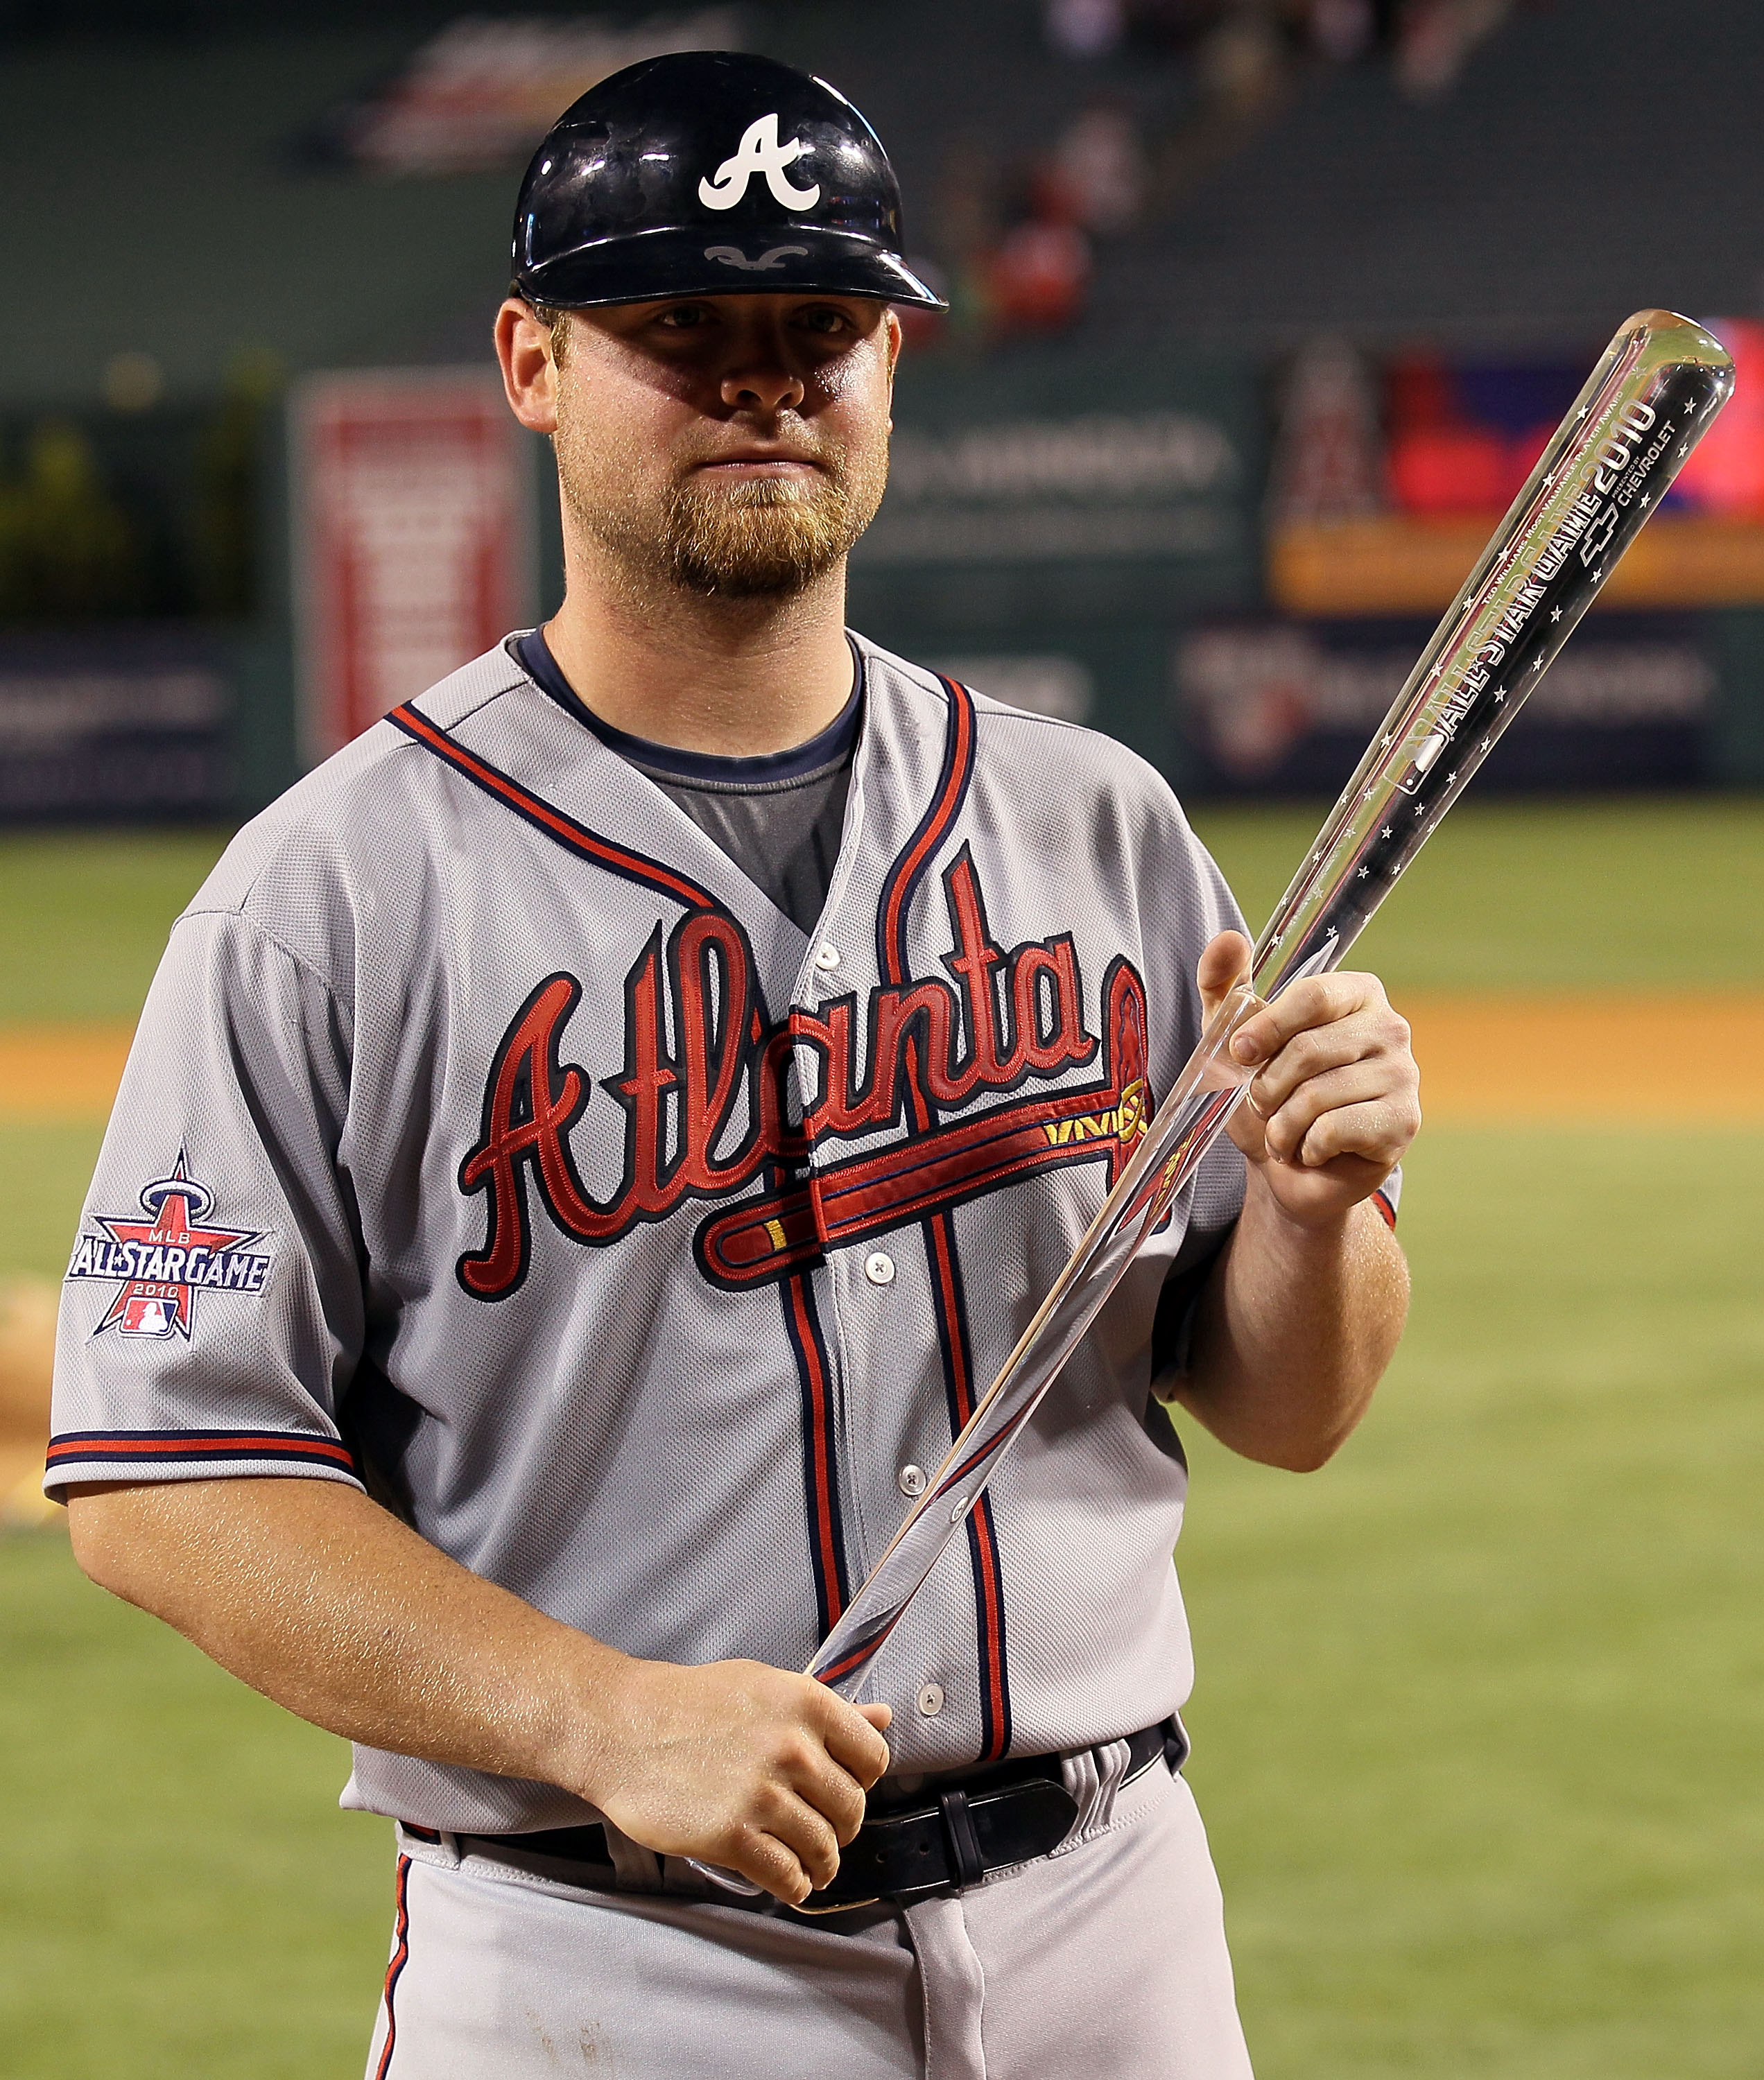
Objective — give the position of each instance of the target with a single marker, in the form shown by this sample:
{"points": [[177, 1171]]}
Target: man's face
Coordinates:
{"points": [[727, 444]]}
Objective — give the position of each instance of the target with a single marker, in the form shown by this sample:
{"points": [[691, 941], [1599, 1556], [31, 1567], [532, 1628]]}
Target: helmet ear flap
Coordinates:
{"points": [[710, 172]]}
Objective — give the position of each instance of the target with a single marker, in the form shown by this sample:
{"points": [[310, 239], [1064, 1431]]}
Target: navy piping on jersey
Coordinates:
{"points": [[565, 830], [954, 1345], [821, 1462], [833, 744]]}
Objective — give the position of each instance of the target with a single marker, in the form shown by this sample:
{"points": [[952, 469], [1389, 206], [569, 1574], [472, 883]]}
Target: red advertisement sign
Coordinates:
{"points": [[412, 536]]}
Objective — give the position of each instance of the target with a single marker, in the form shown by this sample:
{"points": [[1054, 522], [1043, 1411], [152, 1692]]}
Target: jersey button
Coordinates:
{"points": [[879, 1268], [931, 1700], [826, 956], [913, 1480]]}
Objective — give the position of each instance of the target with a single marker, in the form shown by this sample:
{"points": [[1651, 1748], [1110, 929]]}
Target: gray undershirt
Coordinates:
{"points": [[779, 817], [782, 834]]}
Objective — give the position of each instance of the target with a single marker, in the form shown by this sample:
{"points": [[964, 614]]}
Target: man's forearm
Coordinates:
{"points": [[315, 1595], [1294, 1330]]}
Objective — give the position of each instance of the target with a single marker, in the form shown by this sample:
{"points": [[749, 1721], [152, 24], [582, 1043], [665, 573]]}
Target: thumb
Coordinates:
{"points": [[1225, 960]]}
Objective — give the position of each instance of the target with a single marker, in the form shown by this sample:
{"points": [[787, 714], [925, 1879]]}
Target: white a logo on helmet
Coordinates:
{"points": [[760, 152]]}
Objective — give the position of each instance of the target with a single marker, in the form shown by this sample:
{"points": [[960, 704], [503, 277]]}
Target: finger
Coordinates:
{"points": [[1223, 960], [1317, 1000], [1312, 1053], [804, 1832], [881, 1716], [1370, 1133], [832, 1792], [765, 1859], [1363, 1088], [853, 1740], [1368, 1082]]}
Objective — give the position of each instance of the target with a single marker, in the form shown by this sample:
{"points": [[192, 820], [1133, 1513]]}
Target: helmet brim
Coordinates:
{"points": [[640, 267]]}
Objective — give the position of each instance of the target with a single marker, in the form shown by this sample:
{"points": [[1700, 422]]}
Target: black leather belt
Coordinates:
{"points": [[950, 1834]]}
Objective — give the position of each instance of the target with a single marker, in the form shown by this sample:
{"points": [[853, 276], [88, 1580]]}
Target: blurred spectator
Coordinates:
{"points": [[1434, 37], [1096, 177], [1086, 28], [1243, 62], [133, 382], [1037, 276], [1343, 30]]}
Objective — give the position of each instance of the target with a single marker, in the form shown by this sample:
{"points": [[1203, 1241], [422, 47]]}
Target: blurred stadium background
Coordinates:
{"points": [[1261, 309]]}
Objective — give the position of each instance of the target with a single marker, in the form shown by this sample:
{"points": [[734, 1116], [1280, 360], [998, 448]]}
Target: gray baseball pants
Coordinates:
{"points": [[1107, 1958]]}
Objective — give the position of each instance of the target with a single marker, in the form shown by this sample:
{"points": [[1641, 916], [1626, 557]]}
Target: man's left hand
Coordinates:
{"points": [[1336, 1097]]}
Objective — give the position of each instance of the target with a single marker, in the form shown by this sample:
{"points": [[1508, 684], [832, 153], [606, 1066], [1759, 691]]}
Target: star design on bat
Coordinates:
{"points": [[1555, 614], [1387, 832], [1450, 777], [1684, 448], [1500, 695], [1537, 664], [1598, 574], [1551, 478], [1647, 498], [1421, 809], [1363, 872], [1390, 738], [1486, 742]]}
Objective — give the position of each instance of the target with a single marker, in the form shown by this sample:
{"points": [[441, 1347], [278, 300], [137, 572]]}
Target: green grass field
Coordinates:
{"points": [[1480, 1706]]}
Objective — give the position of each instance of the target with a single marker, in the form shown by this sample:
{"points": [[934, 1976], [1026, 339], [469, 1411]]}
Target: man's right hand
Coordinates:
{"points": [[738, 1764], [317, 1597]]}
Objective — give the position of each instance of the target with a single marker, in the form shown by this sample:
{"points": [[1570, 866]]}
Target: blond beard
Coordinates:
{"points": [[764, 537]]}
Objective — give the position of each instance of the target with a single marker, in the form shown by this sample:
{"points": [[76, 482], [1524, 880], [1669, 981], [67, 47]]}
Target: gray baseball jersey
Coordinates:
{"points": [[491, 1140]]}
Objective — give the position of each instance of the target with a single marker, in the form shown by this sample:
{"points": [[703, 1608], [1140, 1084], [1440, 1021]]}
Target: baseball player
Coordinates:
{"points": [[589, 1144]]}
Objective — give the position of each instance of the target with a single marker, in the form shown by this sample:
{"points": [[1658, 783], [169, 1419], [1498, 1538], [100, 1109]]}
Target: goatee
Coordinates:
{"points": [[758, 538], [765, 537]]}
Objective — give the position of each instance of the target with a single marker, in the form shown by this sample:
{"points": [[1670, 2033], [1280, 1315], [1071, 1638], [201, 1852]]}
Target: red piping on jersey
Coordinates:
{"points": [[134, 1445], [819, 1470], [904, 877], [401, 1956], [579, 839], [1387, 1211]]}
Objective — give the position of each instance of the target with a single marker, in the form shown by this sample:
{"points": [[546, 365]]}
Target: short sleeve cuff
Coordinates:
{"points": [[79, 1456]]}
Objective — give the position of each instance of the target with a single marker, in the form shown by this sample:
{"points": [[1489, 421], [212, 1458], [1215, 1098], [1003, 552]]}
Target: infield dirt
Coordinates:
{"points": [[1613, 1057]]}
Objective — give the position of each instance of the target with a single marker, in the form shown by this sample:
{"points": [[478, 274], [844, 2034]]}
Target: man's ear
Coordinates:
{"points": [[523, 348]]}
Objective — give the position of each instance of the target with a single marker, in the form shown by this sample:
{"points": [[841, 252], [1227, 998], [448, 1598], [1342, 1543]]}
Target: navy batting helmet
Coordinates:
{"points": [[708, 172]]}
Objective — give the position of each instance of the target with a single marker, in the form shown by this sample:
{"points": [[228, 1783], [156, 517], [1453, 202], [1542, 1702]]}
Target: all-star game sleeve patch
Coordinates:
{"points": [[165, 1261]]}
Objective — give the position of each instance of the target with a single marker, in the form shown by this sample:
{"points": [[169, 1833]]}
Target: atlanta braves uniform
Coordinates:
{"points": [[491, 1139]]}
